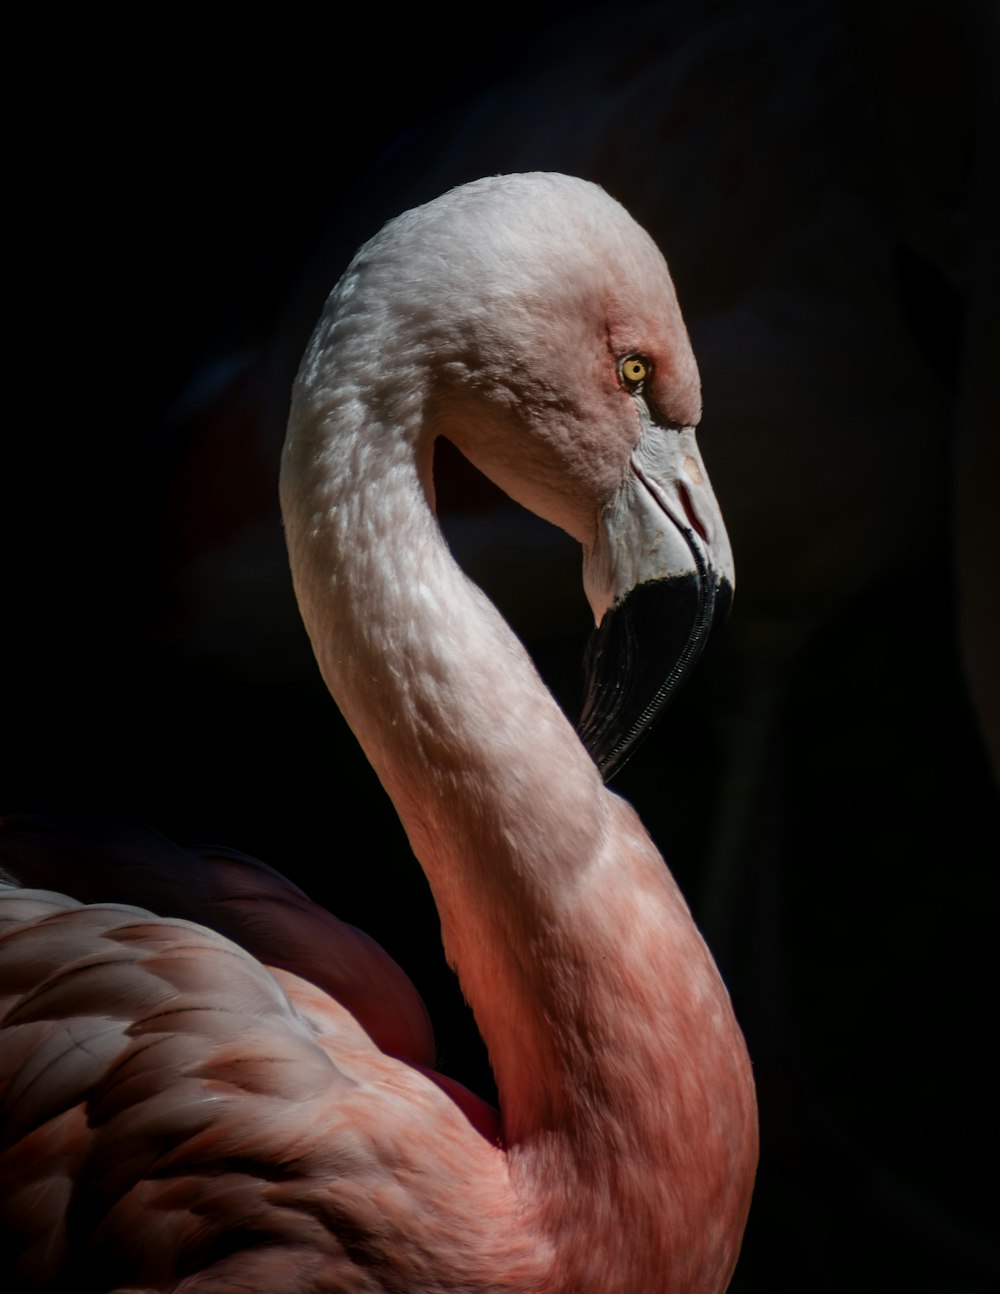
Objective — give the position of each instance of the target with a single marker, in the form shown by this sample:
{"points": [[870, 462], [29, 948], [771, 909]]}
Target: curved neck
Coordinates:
{"points": [[452, 715], [599, 1004]]}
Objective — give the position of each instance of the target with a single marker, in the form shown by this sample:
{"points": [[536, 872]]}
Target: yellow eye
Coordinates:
{"points": [[634, 370]]}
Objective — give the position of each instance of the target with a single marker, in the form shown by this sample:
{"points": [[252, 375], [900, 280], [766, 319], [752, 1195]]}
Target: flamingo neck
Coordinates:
{"points": [[610, 1034]]}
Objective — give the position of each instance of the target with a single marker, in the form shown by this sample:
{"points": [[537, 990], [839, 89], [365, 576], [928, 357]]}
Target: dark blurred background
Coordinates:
{"points": [[819, 176]]}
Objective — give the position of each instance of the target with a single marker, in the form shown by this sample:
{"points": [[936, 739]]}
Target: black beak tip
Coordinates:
{"points": [[637, 658]]}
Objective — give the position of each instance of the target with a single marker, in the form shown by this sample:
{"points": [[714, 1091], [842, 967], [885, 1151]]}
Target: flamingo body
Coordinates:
{"points": [[182, 1112]]}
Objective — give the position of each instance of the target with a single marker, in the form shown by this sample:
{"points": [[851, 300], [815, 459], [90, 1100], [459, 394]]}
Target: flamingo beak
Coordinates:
{"points": [[658, 578]]}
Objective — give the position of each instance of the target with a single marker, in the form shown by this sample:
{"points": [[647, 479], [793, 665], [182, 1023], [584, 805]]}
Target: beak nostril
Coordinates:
{"points": [[690, 513]]}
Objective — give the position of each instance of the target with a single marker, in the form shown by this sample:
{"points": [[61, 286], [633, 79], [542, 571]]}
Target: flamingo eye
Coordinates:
{"points": [[634, 370]]}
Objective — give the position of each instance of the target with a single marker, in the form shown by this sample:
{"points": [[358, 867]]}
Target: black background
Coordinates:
{"points": [[182, 199]]}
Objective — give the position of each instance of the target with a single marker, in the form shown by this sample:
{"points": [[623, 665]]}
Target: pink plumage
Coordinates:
{"points": [[236, 1093]]}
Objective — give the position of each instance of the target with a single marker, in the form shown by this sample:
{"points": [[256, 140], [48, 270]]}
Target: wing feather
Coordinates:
{"points": [[97, 860], [172, 1113]]}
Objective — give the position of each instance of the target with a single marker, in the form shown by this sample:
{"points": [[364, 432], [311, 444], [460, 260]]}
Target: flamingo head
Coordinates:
{"points": [[533, 323]]}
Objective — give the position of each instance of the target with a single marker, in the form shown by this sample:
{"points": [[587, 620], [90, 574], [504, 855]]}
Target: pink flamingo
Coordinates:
{"points": [[182, 1114]]}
